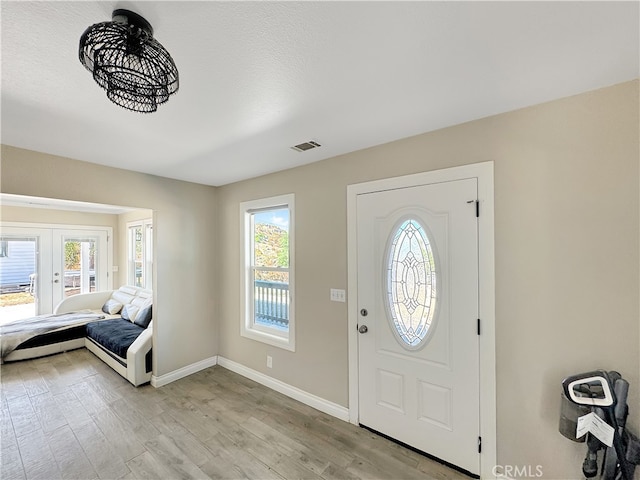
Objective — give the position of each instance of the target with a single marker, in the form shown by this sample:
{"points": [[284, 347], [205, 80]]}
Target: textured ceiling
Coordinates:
{"points": [[259, 77]]}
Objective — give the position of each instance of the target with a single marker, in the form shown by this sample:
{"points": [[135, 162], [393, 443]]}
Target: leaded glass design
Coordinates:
{"points": [[411, 283]]}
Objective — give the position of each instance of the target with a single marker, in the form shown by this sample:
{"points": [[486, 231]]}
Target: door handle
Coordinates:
{"points": [[56, 281], [363, 329]]}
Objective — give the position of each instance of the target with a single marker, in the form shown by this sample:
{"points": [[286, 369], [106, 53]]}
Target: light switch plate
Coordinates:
{"points": [[338, 295]]}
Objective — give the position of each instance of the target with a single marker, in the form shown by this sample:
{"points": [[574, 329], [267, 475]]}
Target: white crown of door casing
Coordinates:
{"points": [[483, 172]]}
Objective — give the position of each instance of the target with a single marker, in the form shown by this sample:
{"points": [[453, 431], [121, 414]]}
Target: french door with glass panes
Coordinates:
{"points": [[55, 263], [79, 262]]}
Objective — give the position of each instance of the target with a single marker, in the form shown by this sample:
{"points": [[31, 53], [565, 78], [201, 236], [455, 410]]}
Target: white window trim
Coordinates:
{"points": [[147, 264], [247, 328]]}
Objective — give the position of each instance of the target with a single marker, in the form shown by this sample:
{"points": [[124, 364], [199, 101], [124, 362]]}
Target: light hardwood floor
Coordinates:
{"points": [[69, 416]]}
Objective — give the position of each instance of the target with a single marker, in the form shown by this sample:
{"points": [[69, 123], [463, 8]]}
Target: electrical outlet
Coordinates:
{"points": [[269, 361], [338, 295], [114, 268]]}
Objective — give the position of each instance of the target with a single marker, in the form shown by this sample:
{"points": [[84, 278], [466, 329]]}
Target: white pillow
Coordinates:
{"points": [[112, 306], [129, 312], [140, 302]]}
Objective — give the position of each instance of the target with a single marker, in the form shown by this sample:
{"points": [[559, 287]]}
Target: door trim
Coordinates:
{"points": [[483, 172]]}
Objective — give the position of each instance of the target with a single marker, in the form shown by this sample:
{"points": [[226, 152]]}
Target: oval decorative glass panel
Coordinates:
{"points": [[411, 291]]}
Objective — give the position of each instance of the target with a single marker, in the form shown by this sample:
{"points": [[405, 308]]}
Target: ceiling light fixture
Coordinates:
{"points": [[124, 58]]}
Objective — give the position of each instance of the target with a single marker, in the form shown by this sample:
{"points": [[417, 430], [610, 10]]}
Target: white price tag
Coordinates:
{"points": [[598, 427]]}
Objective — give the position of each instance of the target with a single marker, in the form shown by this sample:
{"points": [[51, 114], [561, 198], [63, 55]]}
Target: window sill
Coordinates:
{"points": [[270, 339]]}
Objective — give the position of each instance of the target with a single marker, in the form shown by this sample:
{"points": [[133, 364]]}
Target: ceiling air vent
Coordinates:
{"points": [[303, 147]]}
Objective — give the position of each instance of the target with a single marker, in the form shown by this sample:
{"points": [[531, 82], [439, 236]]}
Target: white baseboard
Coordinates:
{"points": [[307, 398], [183, 372]]}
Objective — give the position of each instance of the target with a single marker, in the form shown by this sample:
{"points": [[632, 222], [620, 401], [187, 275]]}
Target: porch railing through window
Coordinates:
{"points": [[271, 303]]}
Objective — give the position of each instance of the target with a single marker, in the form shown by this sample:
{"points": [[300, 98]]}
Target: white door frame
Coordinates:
{"points": [[483, 172], [103, 237], [46, 264]]}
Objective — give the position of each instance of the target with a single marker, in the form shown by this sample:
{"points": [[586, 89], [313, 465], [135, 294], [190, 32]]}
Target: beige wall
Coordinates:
{"points": [[184, 231], [10, 213], [567, 257]]}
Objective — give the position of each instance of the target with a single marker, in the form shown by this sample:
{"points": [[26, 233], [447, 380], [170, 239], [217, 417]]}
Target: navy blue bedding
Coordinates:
{"points": [[115, 335], [72, 333], [42, 330]]}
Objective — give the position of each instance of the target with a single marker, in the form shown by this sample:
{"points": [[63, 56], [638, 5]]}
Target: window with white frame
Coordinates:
{"points": [[267, 271], [140, 253]]}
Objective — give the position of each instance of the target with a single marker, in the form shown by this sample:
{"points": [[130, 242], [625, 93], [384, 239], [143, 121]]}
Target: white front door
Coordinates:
{"points": [[418, 344]]}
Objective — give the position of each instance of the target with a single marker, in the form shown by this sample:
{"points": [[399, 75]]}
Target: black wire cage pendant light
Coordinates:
{"points": [[132, 66]]}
